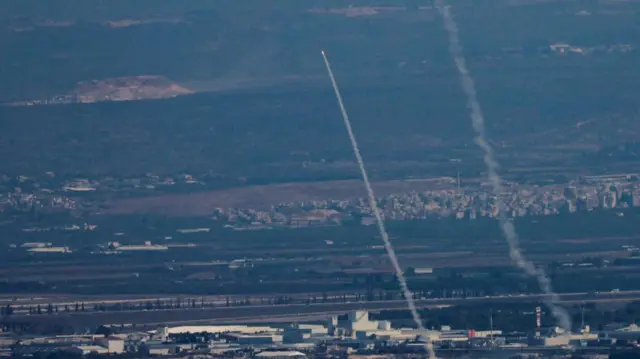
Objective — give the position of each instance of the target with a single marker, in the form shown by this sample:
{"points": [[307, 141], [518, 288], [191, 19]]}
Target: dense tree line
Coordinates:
{"points": [[510, 317]]}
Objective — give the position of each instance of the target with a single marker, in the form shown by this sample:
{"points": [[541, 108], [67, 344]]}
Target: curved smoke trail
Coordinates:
{"points": [[508, 229], [374, 207]]}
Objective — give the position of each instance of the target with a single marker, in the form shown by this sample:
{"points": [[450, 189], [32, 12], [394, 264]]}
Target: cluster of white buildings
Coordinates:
{"points": [[588, 193], [355, 331], [358, 333]]}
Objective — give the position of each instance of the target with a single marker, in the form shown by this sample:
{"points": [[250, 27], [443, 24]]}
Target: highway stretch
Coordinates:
{"points": [[20, 303], [282, 313]]}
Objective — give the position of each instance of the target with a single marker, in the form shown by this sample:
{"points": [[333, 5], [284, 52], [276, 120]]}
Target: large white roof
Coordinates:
{"points": [[287, 353], [220, 329]]}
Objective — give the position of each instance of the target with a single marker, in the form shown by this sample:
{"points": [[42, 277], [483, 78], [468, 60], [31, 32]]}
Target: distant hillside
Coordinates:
{"points": [[128, 88], [554, 81], [116, 89], [254, 41]]}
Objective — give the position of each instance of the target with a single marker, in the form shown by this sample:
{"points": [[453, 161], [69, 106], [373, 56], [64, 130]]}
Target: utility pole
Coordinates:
{"points": [[538, 321], [491, 326]]}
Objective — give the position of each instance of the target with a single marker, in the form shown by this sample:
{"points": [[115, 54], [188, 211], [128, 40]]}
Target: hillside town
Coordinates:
{"points": [[446, 199], [608, 192]]}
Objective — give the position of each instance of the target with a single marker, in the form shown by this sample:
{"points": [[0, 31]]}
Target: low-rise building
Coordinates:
{"points": [[253, 339], [50, 250], [112, 344], [87, 349]]}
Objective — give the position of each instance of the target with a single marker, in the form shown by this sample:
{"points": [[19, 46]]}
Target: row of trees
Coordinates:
{"points": [[6, 310], [512, 316], [192, 303], [367, 288], [51, 308]]}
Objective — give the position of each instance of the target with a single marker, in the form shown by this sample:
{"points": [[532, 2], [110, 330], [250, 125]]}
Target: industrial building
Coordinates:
{"points": [[252, 339], [356, 321], [354, 332], [299, 333], [81, 345], [87, 349], [164, 332], [50, 250], [36, 244], [114, 345], [147, 246]]}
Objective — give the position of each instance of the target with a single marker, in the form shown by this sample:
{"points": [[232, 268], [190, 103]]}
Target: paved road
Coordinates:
{"points": [[279, 313], [24, 301]]}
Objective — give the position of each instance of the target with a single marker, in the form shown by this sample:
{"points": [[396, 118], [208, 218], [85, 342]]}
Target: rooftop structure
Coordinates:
{"points": [[87, 349], [114, 345], [358, 325], [50, 250], [148, 246], [36, 244], [253, 339], [280, 355], [244, 329]]}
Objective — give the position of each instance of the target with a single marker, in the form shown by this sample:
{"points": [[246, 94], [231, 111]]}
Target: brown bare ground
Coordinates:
{"points": [[258, 197], [599, 239]]}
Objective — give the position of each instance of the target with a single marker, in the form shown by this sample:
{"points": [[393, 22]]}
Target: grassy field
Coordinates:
{"points": [[261, 197]]}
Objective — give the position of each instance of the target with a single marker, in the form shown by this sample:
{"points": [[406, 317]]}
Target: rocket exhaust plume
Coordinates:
{"points": [[477, 118], [374, 207]]}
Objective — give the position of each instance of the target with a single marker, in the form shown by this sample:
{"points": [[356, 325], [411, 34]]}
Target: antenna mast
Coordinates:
{"points": [[491, 325]]}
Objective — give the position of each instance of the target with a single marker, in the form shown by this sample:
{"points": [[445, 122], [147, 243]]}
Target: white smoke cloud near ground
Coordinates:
{"points": [[477, 118], [374, 207]]}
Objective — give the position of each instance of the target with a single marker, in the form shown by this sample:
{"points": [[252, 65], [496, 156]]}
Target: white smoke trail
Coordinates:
{"points": [[508, 229], [374, 207]]}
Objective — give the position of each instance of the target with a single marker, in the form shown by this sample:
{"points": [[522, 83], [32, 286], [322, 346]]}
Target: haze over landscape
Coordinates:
{"points": [[166, 156]]}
